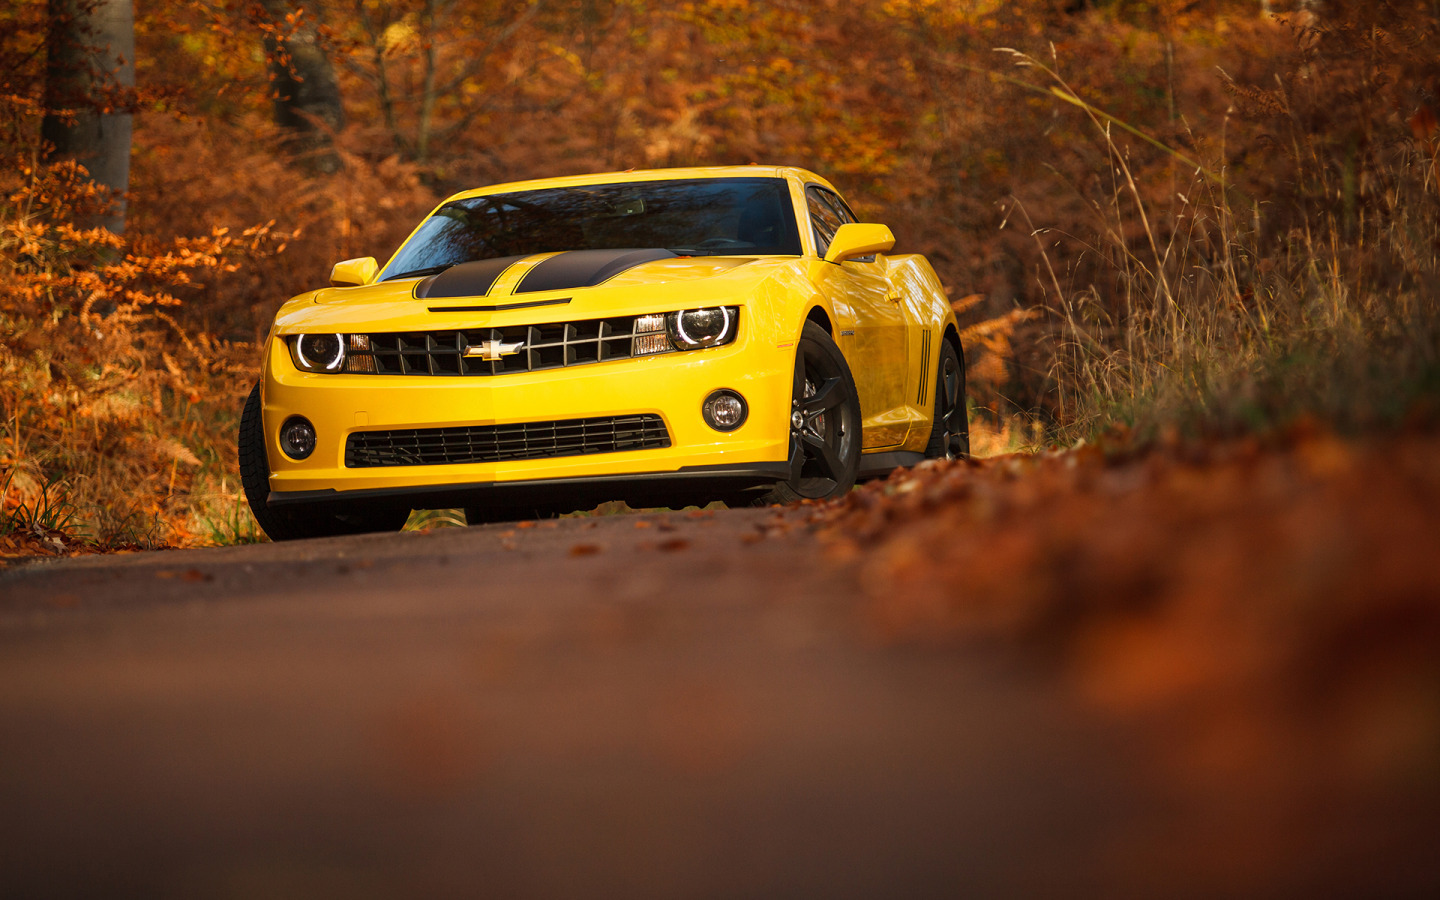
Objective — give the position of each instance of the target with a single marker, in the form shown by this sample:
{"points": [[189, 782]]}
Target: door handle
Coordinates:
{"points": [[894, 295]]}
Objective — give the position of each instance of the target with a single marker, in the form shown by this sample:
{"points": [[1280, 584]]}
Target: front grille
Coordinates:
{"points": [[496, 443], [526, 347]]}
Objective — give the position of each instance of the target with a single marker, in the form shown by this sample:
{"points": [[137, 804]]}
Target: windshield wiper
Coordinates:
{"points": [[415, 273]]}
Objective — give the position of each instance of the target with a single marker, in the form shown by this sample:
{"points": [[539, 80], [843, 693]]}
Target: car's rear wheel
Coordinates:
{"points": [[824, 423], [950, 434], [293, 524]]}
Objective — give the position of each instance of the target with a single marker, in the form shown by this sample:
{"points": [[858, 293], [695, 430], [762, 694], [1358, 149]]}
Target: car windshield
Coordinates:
{"points": [[695, 217]]}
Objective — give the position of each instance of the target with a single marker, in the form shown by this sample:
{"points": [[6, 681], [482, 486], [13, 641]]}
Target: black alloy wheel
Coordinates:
{"points": [[824, 423], [950, 433], [294, 524]]}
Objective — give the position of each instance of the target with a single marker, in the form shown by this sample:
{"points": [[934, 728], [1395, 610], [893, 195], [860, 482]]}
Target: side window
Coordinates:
{"points": [[842, 212], [841, 209], [823, 218]]}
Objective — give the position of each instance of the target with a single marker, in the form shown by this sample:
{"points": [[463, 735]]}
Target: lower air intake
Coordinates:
{"points": [[497, 443]]}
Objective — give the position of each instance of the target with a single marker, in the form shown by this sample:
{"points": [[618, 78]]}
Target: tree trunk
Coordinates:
{"points": [[307, 94], [89, 83], [427, 90]]}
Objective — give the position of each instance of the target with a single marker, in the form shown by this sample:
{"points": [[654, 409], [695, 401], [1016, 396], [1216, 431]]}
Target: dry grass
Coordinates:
{"points": [[1248, 298]]}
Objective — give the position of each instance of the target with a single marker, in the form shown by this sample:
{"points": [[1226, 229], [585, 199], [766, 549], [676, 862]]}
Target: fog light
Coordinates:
{"points": [[725, 410], [297, 437]]}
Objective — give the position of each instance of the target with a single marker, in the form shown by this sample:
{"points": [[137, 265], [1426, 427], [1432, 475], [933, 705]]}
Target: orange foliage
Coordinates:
{"points": [[103, 386]]}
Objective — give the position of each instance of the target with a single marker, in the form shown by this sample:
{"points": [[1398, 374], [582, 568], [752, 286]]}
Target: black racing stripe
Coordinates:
{"points": [[501, 307], [468, 279], [584, 268]]}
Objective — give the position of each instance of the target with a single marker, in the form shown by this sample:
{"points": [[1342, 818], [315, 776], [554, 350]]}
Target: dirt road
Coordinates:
{"points": [[650, 705], [601, 710]]}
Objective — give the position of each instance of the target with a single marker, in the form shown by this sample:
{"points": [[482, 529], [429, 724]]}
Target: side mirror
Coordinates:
{"points": [[352, 272], [856, 239]]}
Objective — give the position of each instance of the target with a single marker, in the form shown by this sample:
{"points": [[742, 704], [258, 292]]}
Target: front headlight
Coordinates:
{"points": [[692, 329], [319, 352], [688, 329]]}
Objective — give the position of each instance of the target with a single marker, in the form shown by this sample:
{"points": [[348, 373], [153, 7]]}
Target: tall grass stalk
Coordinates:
{"points": [[1235, 310]]}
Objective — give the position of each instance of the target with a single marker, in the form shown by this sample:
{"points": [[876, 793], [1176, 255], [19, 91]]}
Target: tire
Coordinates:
{"points": [[950, 433], [290, 525], [825, 423]]}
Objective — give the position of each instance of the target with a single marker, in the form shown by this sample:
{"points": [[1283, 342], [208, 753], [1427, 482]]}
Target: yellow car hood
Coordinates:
{"points": [[656, 286]]}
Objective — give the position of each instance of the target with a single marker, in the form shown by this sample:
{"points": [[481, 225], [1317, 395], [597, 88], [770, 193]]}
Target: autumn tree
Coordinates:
{"points": [[306, 93], [434, 64], [89, 86]]}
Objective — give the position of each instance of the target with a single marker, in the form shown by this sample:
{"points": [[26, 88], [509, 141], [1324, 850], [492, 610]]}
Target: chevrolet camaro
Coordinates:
{"points": [[665, 338]]}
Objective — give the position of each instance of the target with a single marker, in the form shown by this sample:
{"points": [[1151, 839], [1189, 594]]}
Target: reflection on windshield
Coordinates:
{"points": [[697, 217]]}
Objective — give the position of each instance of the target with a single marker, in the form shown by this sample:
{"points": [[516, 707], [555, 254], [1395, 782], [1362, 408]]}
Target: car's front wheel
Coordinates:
{"points": [[289, 525], [824, 423], [950, 433]]}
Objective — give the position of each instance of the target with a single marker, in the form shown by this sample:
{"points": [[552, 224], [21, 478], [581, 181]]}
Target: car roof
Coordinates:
{"points": [[635, 175]]}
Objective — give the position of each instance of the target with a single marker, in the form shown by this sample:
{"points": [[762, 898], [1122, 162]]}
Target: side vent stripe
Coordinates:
{"points": [[924, 368]]}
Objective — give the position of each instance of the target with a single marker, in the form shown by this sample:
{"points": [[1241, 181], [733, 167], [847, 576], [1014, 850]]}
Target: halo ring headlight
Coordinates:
{"points": [[692, 329], [320, 352]]}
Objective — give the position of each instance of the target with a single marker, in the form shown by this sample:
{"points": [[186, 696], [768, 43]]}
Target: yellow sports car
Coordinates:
{"points": [[663, 337]]}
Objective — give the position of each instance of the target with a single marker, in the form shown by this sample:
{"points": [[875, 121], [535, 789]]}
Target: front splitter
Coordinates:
{"points": [[683, 487]]}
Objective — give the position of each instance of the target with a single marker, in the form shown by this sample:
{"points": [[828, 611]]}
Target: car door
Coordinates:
{"points": [[877, 349]]}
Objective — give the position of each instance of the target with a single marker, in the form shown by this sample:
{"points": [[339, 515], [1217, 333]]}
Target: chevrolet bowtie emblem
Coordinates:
{"points": [[490, 351]]}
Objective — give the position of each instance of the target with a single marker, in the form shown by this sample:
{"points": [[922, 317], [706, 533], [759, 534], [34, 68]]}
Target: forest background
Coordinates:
{"points": [[1159, 221]]}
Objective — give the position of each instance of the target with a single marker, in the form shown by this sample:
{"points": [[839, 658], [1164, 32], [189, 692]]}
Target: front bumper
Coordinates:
{"points": [[672, 386]]}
